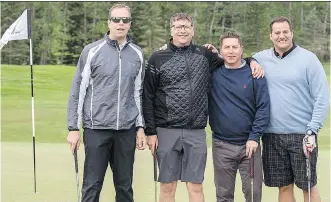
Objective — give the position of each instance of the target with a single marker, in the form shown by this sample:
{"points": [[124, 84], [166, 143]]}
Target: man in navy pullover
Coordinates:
{"points": [[239, 114]]}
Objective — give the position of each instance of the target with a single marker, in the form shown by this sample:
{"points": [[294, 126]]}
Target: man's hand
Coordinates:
{"points": [[257, 70], [309, 143], [251, 147], [73, 139], [211, 47], [141, 139], [152, 143], [163, 47]]}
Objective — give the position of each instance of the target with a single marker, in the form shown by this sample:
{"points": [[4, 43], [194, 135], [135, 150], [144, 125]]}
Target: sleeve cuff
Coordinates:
{"points": [[150, 132], [138, 127], [254, 137]]}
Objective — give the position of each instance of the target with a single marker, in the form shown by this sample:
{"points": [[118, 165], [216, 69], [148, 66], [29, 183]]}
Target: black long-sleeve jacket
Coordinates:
{"points": [[176, 87]]}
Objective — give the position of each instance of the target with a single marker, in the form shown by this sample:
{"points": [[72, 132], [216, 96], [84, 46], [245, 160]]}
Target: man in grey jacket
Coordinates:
{"points": [[106, 96]]}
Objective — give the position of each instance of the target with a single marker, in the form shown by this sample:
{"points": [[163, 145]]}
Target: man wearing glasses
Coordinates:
{"points": [[106, 95], [175, 107]]}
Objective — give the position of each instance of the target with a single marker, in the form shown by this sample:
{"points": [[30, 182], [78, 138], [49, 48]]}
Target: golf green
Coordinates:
{"points": [[56, 176]]}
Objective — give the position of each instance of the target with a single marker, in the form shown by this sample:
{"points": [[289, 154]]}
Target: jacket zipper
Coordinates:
{"points": [[191, 97], [119, 89]]}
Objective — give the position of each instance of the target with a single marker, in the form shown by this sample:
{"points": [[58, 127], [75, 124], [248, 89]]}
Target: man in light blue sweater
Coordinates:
{"points": [[299, 105]]}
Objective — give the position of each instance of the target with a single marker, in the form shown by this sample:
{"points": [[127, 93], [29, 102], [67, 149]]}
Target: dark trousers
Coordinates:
{"points": [[116, 148]]}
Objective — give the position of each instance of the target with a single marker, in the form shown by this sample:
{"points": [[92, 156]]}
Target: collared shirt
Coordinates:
{"points": [[286, 53], [243, 63]]}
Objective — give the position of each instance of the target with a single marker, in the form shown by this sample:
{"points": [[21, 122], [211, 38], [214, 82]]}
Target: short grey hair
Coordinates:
{"points": [[180, 16]]}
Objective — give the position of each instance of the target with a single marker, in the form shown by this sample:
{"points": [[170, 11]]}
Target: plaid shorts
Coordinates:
{"points": [[284, 162]]}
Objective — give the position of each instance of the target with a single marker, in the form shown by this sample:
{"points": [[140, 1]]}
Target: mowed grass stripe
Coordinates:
{"points": [[56, 176], [51, 87]]}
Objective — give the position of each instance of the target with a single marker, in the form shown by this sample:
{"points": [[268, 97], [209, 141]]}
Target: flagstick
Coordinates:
{"points": [[33, 123], [29, 27]]}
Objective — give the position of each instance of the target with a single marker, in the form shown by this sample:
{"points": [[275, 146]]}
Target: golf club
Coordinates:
{"points": [[76, 169], [251, 174], [308, 173], [155, 173]]}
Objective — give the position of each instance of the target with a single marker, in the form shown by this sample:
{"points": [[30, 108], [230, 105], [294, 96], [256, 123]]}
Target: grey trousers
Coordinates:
{"points": [[228, 158]]}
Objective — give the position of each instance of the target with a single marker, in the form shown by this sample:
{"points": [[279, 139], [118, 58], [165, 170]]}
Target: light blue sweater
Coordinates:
{"points": [[298, 89]]}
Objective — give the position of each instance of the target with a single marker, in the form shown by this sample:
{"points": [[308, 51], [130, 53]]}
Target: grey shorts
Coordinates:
{"points": [[181, 155]]}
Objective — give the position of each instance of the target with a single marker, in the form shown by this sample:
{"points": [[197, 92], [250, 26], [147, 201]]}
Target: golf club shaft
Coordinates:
{"points": [[77, 182], [76, 160], [155, 173], [308, 172], [76, 169], [251, 173], [308, 191]]}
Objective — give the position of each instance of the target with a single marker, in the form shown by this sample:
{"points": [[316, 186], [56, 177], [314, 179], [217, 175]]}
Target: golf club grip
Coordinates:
{"points": [[308, 171], [76, 161], [155, 166], [251, 166]]}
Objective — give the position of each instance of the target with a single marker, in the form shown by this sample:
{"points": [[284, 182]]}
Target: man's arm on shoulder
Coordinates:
{"points": [[262, 103], [214, 59], [319, 90], [149, 94]]}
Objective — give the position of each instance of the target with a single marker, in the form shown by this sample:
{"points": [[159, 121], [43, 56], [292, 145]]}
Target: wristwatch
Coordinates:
{"points": [[310, 132]]}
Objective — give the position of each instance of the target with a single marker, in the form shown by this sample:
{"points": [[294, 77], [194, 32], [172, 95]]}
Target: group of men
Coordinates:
{"points": [[121, 101]]}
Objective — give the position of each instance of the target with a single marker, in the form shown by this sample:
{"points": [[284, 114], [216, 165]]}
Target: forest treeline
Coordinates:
{"points": [[62, 29]]}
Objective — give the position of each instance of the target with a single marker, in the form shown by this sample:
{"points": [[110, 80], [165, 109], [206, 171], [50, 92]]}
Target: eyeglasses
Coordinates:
{"points": [[179, 27], [125, 20]]}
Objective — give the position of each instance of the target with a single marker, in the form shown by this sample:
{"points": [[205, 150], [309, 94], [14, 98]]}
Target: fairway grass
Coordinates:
{"points": [[55, 165], [51, 88], [56, 176]]}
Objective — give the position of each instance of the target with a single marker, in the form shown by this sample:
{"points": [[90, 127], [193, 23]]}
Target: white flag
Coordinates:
{"points": [[17, 31]]}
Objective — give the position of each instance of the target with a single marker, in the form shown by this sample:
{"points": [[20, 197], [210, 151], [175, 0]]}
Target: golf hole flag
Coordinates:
{"points": [[20, 29]]}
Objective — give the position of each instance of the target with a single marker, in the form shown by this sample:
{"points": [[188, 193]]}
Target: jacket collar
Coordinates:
{"points": [[115, 42], [176, 48]]}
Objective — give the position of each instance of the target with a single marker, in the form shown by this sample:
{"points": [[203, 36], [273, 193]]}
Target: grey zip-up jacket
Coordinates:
{"points": [[107, 87]]}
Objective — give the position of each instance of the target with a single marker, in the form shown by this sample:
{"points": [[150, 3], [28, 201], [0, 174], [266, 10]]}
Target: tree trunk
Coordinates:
{"points": [[232, 16], [326, 49], [9, 55], [289, 11], [301, 18], [212, 23], [94, 21], [195, 16], [245, 8], [85, 23], [45, 38], [64, 31], [223, 23]]}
